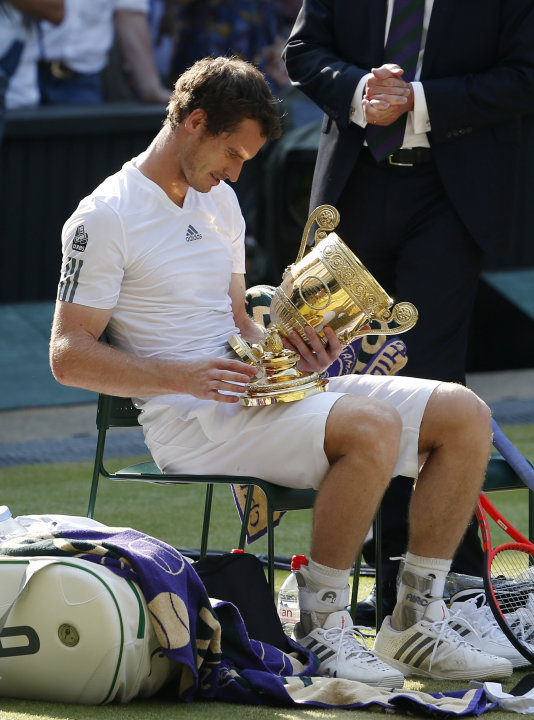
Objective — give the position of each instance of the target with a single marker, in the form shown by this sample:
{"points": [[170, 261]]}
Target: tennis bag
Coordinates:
{"points": [[73, 631]]}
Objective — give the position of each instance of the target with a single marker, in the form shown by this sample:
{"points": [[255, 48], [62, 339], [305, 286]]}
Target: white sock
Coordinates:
{"points": [[426, 567], [422, 582], [322, 576], [325, 590]]}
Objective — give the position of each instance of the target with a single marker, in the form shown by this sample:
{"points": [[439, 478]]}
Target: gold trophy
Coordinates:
{"points": [[326, 286], [330, 286]]}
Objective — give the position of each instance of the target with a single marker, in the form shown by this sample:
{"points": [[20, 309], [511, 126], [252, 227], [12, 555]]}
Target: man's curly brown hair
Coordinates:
{"points": [[229, 90]]}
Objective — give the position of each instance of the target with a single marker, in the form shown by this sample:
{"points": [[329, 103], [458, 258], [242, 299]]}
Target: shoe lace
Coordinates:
{"points": [[521, 623], [480, 618], [351, 641], [444, 632]]}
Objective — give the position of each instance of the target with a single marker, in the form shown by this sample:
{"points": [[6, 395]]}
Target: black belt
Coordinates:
{"points": [[406, 157], [58, 69]]}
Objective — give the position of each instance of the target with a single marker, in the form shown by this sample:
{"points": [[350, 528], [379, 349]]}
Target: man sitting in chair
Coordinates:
{"points": [[155, 255]]}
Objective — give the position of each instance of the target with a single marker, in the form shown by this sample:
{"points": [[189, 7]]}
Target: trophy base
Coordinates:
{"points": [[284, 395]]}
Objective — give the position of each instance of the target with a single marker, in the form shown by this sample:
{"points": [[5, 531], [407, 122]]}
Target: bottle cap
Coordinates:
{"points": [[5, 513], [297, 561]]}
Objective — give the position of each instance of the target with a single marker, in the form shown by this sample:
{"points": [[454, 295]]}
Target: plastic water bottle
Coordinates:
{"points": [[9, 527], [288, 596], [456, 582]]}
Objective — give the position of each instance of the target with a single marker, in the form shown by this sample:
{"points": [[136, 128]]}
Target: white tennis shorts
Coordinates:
{"points": [[282, 443]]}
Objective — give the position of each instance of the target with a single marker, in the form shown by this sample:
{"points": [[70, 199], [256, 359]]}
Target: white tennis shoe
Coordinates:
{"points": [[474, 621], [431, 648], [343, 653]]}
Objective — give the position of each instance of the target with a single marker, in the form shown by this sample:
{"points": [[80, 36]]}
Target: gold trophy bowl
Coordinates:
{"points": [[330, 286]]}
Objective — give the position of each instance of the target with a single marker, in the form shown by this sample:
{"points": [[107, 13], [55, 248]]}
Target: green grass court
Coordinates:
{"points": [[174, 514]]}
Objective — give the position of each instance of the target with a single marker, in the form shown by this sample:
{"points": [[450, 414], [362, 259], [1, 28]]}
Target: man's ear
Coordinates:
{"points": [[196, 121]]}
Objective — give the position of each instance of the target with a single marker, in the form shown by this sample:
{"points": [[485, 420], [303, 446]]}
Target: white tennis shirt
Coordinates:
{"points": [[163, 270]]}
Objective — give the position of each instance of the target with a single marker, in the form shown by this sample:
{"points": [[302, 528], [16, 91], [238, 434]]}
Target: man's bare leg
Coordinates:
{"points": [[456, 431], [455, 436], [361, 443], [418, 638]]}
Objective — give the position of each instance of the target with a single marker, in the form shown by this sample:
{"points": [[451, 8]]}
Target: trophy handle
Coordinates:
{"points": [[401, 317], [327, 219]]}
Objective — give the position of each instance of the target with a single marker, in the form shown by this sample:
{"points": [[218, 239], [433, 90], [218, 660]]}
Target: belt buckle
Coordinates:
{"points": [[398, 164], [59, 70]]}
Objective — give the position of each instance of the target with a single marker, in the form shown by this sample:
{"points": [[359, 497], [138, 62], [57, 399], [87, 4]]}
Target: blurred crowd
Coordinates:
{"points": [[92, 51]]}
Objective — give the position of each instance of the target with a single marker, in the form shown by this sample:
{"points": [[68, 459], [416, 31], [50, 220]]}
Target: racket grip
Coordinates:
{"points": [[519, 464]]}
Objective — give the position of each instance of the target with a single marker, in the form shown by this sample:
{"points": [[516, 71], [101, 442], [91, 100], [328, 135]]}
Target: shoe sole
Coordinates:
{"points": [[495, 673], [383, 683]]}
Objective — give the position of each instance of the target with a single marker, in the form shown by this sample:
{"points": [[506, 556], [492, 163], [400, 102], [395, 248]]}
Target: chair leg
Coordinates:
{"points": [[207, 518], [377, 529], [270, 548], [355, 586], [96, 473], [246, 515]]}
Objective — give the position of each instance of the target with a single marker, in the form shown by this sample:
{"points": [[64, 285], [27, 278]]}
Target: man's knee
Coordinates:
{"points": [[359, 425], [455, 410]]}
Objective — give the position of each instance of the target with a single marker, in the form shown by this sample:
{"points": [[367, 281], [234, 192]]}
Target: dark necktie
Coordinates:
{"points": [[402, 47]]}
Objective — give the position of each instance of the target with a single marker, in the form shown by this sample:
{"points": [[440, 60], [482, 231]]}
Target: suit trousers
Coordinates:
{"points": [[402, 226]]}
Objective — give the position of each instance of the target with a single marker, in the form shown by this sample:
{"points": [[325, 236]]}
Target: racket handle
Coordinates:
{"points": [[519, 464]]}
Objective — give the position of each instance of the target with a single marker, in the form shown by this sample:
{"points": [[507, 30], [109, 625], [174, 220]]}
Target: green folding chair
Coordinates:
{"points": [[118, 412]]}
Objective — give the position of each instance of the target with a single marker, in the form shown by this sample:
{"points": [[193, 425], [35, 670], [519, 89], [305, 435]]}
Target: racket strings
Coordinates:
{"points": [[512, 580]]}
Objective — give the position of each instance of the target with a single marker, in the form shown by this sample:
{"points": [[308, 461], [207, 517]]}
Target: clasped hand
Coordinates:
{"points": [[387, 96]]}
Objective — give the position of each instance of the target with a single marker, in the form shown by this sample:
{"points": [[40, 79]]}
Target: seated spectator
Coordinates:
{"points": [[19, 49], [164, 28], [75, 53]]}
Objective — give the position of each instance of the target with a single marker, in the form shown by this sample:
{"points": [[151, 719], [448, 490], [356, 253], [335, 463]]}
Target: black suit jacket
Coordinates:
{"points": [[478, 78]]}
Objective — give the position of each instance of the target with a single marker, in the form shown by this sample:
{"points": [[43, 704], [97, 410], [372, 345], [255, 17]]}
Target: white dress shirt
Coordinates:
{"points": [[23, 88], [417, 122], [83, 40]]}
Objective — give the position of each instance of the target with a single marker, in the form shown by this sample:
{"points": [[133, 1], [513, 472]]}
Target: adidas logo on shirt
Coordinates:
{"points": [[192, 234]]}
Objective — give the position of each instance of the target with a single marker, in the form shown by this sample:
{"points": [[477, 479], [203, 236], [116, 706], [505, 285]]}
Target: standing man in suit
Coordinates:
{"points": [[420, 213]]}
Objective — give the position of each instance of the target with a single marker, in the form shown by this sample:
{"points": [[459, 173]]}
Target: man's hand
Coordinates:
{"points": [[314, 356], [387, 96], [212, 379], [51, 10]]}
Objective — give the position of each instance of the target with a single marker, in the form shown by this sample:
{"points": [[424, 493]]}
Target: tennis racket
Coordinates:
{"points": [[509, 579]]}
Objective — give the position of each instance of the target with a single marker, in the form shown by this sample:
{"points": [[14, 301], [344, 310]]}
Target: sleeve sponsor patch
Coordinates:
{"points": [[79, 241]]}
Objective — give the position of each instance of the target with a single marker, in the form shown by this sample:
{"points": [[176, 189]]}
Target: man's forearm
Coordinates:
{"points": [[51, 10], [83, 362], [133, 34]]}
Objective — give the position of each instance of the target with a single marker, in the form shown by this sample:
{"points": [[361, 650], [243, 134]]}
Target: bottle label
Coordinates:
{"points": [[287, 613]]}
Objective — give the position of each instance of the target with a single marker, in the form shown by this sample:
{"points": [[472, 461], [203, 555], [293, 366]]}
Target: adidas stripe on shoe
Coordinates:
{"points": [[342, 653], [431, 648]]}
